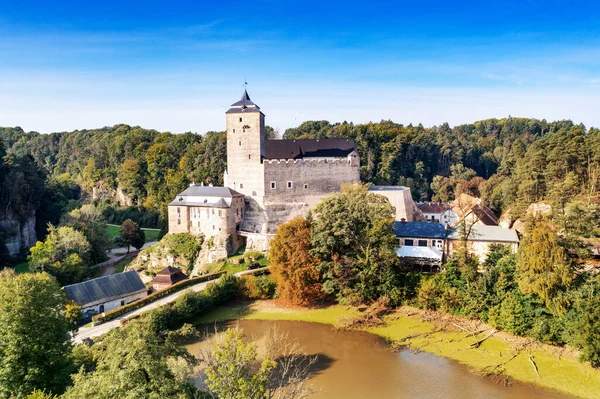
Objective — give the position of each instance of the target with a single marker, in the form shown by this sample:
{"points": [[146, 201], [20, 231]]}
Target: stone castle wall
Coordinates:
{"points": [[300, 185], [245, 147]]}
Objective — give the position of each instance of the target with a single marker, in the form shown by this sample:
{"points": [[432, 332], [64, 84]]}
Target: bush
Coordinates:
{"points": [[113, 314], [252, 287]]}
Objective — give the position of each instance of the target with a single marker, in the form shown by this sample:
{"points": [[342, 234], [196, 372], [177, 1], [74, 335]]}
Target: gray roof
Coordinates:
{"points": [[244, 105], [104, 289], [210, 191], [315, 148], [486, 233], [205, 191], [419, 230], [245, 100]]}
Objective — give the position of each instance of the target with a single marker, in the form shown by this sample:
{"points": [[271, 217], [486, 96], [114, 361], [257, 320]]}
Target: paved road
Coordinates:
{"points": [[91, 332]]}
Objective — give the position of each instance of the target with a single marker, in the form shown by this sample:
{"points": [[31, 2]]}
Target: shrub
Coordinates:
{"points": [[253, 287]]}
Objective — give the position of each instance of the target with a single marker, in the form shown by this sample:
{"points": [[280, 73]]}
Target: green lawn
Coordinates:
{"points": [[22, 267], [115, 231]]}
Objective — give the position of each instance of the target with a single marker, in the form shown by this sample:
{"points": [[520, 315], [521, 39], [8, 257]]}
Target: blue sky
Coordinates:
{"points": [[176, 66]]}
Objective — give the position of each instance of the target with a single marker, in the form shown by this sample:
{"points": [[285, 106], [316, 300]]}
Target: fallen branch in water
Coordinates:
{"points": [[503, 363], [476, 344], [534, 365], [464, 329]]}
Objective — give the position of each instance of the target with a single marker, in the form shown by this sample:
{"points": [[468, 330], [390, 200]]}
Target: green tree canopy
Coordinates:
{"points": [[352, 237], [34, 345], [65, 254], [132, 235], [544, 267]]}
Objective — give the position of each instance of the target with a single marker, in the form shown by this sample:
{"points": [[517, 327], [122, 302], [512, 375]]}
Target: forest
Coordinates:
{"points": [[510, 163]]}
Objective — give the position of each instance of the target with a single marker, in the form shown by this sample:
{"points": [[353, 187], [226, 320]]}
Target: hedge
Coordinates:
{"points": [[193, 304], [112, 314]]}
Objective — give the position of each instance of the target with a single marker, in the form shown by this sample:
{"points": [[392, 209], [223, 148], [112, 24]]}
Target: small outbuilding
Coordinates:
{"points": [[167, 277], [106, 293]]}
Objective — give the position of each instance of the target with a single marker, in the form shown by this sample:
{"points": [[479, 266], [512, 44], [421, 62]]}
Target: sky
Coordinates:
{"points": [[177, 66]]}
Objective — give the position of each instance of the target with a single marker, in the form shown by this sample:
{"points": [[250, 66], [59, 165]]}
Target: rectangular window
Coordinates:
{"points": [[422, 243], [240, 119], [234, 130], [290, 184], [408, 243], [241, 185], [273, 185], [240, 142], [213, 226], [249, 156], [219, 212], [198, 224], [305, 186], [178, 221]]}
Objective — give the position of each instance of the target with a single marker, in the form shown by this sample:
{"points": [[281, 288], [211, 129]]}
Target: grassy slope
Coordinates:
{"points": [[562, 373], [232, 268]]}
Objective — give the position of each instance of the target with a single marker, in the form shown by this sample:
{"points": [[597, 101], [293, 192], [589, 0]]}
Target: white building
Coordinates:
{"points": [[106, 293]]}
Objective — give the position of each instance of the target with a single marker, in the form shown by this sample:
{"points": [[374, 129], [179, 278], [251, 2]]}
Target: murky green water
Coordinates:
{"points": [[355, 364]]}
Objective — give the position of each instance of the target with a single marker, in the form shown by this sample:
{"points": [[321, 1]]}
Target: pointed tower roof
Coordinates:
{"points": [[244, 105]]}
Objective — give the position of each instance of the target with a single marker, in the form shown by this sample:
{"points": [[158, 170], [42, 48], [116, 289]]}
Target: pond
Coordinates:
{"points": [[354, 364]]}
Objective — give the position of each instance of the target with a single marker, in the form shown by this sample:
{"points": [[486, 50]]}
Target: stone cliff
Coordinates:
{"points": [[19, 233]]}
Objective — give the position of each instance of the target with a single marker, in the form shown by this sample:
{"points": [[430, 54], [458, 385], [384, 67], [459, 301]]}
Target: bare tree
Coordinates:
{"points": [[233, 372]]}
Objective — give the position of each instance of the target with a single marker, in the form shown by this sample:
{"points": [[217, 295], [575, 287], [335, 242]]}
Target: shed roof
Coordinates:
{"points": [[419, 230], [486, 233], [314, 148], [419, 252], [105, 288], [169, 275]]}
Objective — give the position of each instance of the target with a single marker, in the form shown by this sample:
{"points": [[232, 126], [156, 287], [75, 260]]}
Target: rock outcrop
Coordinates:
{"points": [[19, 233]]}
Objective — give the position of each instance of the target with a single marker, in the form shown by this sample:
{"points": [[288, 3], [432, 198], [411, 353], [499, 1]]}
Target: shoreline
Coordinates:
{"points": [[498, 354]]}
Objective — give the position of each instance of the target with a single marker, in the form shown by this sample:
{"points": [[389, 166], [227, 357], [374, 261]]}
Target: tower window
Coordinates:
{"points": [[273, 185], [178, 221], [290, 184], [305, 186], [234, 130], [249, 156], [241, 185], [240, 119], [240, 142]]}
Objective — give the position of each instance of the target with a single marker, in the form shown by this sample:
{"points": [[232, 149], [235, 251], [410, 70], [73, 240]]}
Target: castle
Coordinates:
{"points": [[267, 182]]}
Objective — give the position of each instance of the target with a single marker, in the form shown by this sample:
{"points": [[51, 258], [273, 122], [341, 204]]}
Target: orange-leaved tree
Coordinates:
{"points": [[293, 268]]}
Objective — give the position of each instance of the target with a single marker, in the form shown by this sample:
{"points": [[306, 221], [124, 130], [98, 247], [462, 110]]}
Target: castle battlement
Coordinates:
{"points": [[310, 162]]}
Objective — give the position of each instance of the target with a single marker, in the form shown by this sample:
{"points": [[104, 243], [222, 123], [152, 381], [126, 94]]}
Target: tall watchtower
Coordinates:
{"points": [[245, 147]]}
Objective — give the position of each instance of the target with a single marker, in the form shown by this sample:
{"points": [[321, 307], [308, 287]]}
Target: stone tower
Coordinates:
{"points": [[245, 148]]}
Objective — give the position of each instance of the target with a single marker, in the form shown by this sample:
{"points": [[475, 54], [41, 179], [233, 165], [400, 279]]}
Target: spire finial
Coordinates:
{"points": [[245, 84]]}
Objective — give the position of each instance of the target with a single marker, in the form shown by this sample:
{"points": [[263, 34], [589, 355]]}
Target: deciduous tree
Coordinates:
{"points": [[293, 267], [352, 237], [132, 235], [34, 345]]}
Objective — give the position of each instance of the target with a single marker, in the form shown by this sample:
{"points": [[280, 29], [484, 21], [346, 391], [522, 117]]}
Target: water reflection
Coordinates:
{"points": [[353, 364]]}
